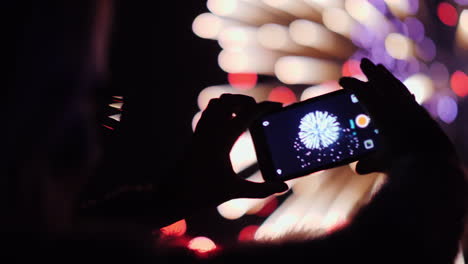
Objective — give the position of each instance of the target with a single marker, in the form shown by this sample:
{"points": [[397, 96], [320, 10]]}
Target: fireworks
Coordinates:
{"points": [[319, 130]]}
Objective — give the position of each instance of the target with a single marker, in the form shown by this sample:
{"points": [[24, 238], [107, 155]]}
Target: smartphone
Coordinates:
{"points": [[312, 135]]}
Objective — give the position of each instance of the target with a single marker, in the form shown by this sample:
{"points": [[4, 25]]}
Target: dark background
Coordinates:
{"points": [[160, 65]]}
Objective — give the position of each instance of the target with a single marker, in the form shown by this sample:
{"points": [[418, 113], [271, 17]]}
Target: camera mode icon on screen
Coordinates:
{"points": [[369, 144]]}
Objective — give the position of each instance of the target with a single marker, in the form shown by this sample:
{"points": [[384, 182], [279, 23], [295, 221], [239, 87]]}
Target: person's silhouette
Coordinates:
{"points": [[417, 216]]}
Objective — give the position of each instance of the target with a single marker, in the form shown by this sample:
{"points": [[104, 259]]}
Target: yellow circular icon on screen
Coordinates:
{"points": [[362, 120]]}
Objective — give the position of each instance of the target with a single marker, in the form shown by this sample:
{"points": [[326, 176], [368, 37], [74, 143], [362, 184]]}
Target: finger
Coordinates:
{"points": [[399, 88], [377, 78], [211, 108], [385, 72], [236, 97], [220, 110], [352, 84], [250, 189], [245, 117], [383, 81], [369, 69], [232, 103], [362, 90], [227, 104], [210, 114]]}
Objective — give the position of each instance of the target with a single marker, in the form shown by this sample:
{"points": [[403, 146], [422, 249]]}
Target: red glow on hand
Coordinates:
{"points": [[283, 95], [176, 229], [447, 14], [459, 83], [242, 81], [247, 233]]}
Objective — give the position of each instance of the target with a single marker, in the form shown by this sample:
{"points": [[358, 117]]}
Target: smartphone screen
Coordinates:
{"points": [[312, 135]]}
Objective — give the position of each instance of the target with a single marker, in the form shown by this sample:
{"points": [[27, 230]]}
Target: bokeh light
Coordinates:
{"points": [[295, 8], [447, 109], [247, 233], [243, 81], [201, 245], [266, 208], [315, 35], [283, 95], [339, 21], [398, 46], [351, 68], [459, 83], [248, 60], [236, 208], [439, 74], [426, 49], [415, 28], [447, 14], [306, 70], [317, 90], [402, 8], [207, 26], [176, 229], [237, 37], [242, 153], [274, 36], [462, 30], [421, 86]]}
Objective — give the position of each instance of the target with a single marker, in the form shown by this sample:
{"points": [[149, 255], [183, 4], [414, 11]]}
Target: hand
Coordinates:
{"points": [[210, 170], [405, 125]]}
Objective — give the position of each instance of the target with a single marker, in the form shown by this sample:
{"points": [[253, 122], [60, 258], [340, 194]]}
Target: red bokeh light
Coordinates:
{"points": [[242, 81], [108, 127], [447, 14], [176, 229], [268, 208], [283, 95], [247, 233], [459, 83], [351, 68]]}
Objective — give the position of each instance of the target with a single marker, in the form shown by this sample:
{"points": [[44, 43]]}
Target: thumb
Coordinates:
{"points": [[249, 114], [351, 84], [261, 189], [360, 88]]}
